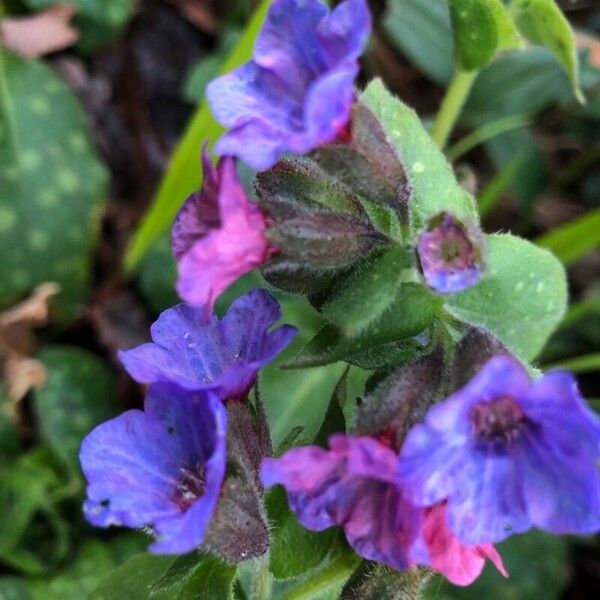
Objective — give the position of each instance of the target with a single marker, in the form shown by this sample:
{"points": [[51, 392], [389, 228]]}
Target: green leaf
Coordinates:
{"points": [[157, 274], [409, 312], [94, 560], [521, 298], [421, 31], [211, 579], [374, 284], [334, 420], [588, 363], [183, 174], [326, 583], [542, 22], [518, 84], [51, 185], [294, 549], [79, 393], [433, 184], [98, 21], [26, 497], [9, 433], [574, 240], [178, 572], [13, 588], [480, 29], [133, 579]]}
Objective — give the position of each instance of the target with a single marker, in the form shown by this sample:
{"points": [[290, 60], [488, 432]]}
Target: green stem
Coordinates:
{"points": [[454, 100], [588, 363], [262, 580]]}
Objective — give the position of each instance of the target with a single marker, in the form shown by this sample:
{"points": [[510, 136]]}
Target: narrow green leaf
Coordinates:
{"points": [[480, 28], [434, 187], [183, 174], [13, 588], [588, 363], [484, 133], [52, 185], [542, 22], [78, 394], [575, 239], [493, 190], [521, 298]]}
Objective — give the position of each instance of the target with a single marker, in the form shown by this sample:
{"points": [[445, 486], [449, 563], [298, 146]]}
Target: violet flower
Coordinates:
{"points": [[224, 355], [161, 468], [507, 454], [450, 255], [218, 236], [353, 485], [297, 92]]}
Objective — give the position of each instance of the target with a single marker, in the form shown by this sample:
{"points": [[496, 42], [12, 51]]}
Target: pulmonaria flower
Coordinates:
{"points": [[224, 355], [217, 236], [353, 485], [297, 92], [507, 454], [450, 255], [161, 468]]}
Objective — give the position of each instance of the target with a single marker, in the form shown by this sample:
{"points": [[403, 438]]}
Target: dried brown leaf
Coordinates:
{"points": [[40, 34]]}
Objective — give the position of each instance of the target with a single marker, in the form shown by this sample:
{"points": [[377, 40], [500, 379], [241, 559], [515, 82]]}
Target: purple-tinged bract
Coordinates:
{"points": [[218, 236], [297, 92], [353, 485], [506, 455], [450, 255], [161, 468], [224, 355]]}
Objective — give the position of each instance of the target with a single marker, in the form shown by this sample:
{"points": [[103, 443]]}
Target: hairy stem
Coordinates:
{"points": [[454, 100], [262, 580]]}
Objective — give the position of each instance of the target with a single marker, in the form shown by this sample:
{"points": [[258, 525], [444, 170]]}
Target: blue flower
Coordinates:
{"points": [[506, 455], [297, 92], [161, 468], [224, 355]]}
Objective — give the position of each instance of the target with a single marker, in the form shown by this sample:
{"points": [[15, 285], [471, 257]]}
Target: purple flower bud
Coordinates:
{"points": [[161, 468], [297, 92], [224, 355], [507, 455], [217, 236], [353, 485], [450, 255]]}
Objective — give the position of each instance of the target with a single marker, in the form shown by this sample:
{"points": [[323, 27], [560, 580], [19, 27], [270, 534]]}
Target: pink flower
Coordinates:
{"points": [[459, 563], [217, 236], [353, 485]]}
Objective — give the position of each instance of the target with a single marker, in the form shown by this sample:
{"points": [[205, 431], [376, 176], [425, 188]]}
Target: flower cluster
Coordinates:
{"points": [[499, 456], [164, 468]]}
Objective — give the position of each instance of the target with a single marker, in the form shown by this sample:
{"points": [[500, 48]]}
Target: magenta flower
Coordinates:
{"points": [[161, 468], [353, 485], [223, 355], [450, 255], [297, 92], [506, 455], [218, 236]]}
